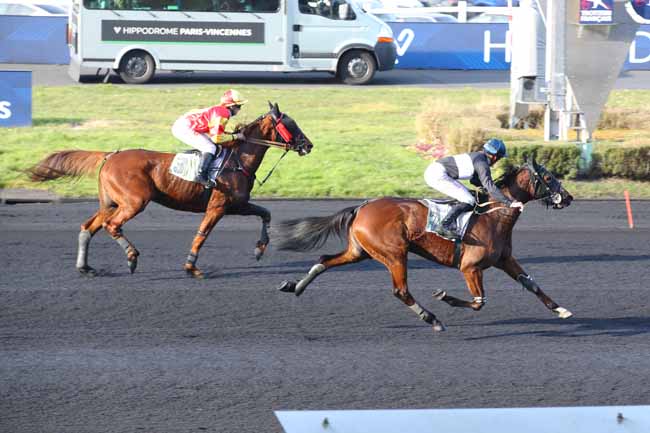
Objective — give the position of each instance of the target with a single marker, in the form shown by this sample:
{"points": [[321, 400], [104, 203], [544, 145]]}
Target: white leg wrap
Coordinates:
{"points": [[82, 252], [480, 300], [123, 243], [422, 313], [313, 273]]}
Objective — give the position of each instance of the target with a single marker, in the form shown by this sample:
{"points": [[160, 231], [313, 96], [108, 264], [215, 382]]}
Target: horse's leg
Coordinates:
{"points": [[113, 225], [512, 268], [397, 268], [354, 253], [88, 230], [262, 212], [212, 217], [474, 280]]}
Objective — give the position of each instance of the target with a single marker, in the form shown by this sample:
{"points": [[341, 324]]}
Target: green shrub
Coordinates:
{"points": [[628, 163], [562, 161]]}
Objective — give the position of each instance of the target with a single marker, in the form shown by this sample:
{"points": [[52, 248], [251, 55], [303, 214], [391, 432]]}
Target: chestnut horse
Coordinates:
{"points": [[130, 179], [387, 229]]}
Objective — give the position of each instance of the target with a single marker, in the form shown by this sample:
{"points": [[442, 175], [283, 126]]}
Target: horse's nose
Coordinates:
{"points": [[568, 198]]}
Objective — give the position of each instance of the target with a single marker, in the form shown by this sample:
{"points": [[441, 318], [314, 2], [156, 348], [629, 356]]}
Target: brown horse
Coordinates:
{"points": [[130, 179], [387, 229]]}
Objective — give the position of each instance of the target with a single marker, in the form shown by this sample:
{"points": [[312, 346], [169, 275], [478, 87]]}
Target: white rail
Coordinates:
{"points": [[601, 419], [460, 11]]}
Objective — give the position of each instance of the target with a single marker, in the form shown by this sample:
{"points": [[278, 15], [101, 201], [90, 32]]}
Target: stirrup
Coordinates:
{"points": [[208, 184], [447, 234]]}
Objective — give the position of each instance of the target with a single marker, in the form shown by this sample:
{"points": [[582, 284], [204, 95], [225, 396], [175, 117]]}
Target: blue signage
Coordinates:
{"points": [[596, 11], [478, 46], [15, 98], [451, 46], [27, 39]]}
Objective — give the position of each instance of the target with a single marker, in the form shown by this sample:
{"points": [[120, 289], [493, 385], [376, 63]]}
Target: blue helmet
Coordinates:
{"points": [[494, 146]]}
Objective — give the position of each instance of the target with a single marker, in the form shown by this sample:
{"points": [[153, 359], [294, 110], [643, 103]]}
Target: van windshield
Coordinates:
{"points": [[332, 9], [187, 5]]}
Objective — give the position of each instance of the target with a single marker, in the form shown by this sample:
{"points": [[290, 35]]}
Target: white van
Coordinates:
{"points": [[137, 37]]}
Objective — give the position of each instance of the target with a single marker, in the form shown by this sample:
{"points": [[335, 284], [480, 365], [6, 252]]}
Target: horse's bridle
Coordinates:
{"points": [[541, 189], [287, 138]]}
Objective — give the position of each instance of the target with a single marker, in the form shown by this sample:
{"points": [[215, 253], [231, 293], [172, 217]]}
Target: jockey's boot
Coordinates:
{"points": [[204, 165], [448, 225]]}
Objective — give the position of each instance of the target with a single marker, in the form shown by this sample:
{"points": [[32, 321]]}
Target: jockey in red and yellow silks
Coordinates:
{"points": [[204, 129]]}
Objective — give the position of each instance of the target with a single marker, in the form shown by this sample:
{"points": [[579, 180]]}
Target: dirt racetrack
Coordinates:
{"points": [[159, 352]]}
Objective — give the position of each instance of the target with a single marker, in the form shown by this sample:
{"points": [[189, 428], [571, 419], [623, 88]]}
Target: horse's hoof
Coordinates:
{"points": [[437, 326], [194, 273], [287, 287], [258, 253], [562, 313], [87, 271], [133, 264], [439, 295]]}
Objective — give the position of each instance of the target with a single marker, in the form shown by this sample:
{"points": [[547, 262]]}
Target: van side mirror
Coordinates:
{"points": [[344, 11]]}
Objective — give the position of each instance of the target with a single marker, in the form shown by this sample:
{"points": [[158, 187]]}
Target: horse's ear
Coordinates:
{"points": [[530, 160], [270, 105], [277, 109]]}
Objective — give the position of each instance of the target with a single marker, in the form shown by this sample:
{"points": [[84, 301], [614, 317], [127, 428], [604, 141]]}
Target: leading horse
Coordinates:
{"points": [[130, 179], [387, 229]]}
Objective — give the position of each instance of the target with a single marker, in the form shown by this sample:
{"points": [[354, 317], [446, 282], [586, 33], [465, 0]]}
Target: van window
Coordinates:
{"points": [[187, 5], [332, 9]]}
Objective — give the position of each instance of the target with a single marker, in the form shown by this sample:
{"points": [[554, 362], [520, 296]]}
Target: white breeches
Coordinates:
{"points": [[437, 178], [181, 130]]}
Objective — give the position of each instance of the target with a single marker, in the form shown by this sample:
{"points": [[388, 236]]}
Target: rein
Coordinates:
{"points": [[286, 146], [268, 143], [271, 171], [535, 180]]}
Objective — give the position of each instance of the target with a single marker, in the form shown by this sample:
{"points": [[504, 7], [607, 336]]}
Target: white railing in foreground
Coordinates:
{"points": [[459, 11], [593, 419]]}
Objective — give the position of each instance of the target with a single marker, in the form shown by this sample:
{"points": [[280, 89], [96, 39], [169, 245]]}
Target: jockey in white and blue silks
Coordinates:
{"points": [[443, 175]]}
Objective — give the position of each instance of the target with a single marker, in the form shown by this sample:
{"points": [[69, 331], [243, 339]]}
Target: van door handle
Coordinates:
{"points": [[297, 28]]}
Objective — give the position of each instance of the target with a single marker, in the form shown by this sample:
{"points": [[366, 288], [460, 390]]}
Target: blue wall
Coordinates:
{"points": [[33, 40], [477, 46], [421, 45], [15, 98]]}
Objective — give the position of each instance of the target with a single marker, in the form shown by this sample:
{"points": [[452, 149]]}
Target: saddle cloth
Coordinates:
{"points": [[439, 210], [186, 164]]}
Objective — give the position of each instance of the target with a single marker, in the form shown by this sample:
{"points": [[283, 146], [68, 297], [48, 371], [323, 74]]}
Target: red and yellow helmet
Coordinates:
{"points": [[232, 97]]}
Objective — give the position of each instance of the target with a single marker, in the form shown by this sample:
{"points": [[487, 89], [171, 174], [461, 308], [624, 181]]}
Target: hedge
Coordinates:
{"points": [[564, 161]]}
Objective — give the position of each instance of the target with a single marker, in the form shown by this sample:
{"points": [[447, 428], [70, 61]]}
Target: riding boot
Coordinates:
{"points": [[204, 165], [448, 225]]}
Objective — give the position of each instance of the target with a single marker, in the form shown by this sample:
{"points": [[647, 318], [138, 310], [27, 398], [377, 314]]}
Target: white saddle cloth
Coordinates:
{"points": [[438, 212], [186, 165]]}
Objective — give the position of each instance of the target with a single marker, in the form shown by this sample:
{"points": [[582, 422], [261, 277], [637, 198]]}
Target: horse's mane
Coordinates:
{"points": [[507, 177]]}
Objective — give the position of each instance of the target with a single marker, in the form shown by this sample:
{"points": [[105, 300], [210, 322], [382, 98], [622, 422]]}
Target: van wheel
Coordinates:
{"points": [[357, 67], [137, 67]]}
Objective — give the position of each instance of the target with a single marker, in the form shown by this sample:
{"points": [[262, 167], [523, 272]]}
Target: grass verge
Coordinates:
{"points": [[363, 137]]}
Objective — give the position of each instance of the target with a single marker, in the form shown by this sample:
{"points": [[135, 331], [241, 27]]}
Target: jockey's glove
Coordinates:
{"points": [[517, 204]]}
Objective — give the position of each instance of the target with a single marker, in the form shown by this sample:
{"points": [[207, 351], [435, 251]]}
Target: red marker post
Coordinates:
{"points": [[630, 220]]}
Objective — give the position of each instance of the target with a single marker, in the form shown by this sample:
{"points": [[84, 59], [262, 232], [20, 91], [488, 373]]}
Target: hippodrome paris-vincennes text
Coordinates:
{"points": [[184, 31]]}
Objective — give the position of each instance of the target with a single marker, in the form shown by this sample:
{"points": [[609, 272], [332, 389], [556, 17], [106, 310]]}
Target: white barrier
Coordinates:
{"points": [[590, 419]]}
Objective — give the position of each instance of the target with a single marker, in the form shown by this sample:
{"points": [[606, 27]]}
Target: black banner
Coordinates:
{"points": [[181, 31]]}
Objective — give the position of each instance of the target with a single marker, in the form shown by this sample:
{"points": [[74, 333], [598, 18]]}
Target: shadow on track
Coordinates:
{"points": [[588, 258], [576, 327]]}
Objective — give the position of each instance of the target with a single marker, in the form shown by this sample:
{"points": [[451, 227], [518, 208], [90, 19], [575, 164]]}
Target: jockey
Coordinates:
{"points": [[204, 129], [442, 175]]}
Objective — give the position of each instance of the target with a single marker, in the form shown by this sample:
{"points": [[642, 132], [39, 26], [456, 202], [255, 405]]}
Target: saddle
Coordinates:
{"points": [[439, 208], [186, 164]]}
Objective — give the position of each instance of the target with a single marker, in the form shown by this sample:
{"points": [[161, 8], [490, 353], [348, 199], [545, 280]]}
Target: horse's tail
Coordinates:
{"points": [[307, 234], [71, 163]]}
